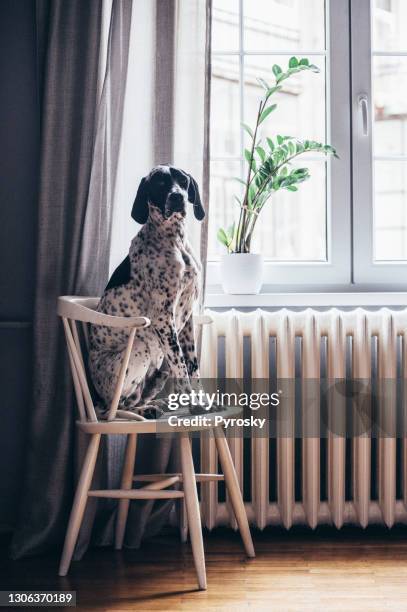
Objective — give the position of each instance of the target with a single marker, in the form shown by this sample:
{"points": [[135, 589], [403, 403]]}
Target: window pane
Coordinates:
{"points": [[301, 102], [223, 207], [292, 226], [225, 106], [390, 105], [389, 77], [390, 218], [225, 25], [389, 25], [279, 25]]}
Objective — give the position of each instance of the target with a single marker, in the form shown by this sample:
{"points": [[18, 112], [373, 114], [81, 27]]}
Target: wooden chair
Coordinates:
{"points": [[77, 313]]}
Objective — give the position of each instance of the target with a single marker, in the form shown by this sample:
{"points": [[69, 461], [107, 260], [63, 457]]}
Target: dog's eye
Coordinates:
{"points": [[183, 183]]}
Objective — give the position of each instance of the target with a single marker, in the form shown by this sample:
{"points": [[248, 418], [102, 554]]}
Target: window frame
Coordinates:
{"points": [[350, 205], [336, 270], [366, 269]]}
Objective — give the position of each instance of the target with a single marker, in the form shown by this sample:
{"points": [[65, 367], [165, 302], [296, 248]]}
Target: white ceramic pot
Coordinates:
{"points": [[242, 273]]}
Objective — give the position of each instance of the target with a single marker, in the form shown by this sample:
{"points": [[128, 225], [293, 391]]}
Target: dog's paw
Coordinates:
{"points": [[205, 408], [153, 409]]}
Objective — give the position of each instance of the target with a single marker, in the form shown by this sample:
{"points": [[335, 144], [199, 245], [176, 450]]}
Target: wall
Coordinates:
{"points": [[19, 138]]}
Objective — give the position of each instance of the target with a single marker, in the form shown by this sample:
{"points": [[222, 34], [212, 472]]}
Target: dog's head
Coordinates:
{"points": [[168, 189]]}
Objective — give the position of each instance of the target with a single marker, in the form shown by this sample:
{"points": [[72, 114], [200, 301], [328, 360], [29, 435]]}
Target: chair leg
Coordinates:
{"points": [[79, 504], [127, 483], [193, 512], [182, 521], [233, 489]]}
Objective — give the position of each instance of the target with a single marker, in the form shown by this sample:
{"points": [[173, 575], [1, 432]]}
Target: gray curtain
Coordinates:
{"points": [[80, 149], [77, 163]]}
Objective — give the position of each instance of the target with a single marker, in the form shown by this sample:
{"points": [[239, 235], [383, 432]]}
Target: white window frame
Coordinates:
{"points": [[350, 264], [366, 269], [336, 270]]}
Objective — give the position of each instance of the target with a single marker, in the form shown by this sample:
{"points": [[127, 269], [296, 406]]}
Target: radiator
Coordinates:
{"points": [[311, 481]]}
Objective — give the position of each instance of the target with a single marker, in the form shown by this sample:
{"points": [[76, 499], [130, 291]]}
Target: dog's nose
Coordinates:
{"points": [[176, 197]]}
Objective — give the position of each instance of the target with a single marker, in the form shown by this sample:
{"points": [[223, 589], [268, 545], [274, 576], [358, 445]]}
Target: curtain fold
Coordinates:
{"points": [[96, 235], [77, 169], [203, 243]]}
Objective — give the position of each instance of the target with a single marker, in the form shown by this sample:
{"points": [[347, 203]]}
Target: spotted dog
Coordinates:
{"points": [[159, 279]]}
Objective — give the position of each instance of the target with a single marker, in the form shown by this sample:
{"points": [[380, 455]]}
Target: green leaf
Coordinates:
{"points": [[266, 112], [261, 153], [248, 130], [331, 150], [292, 188], [304, 62], [248, 155], [300, 172], [230, 232], [280, 139], [277, 70], [270, 144], [221, 236], [284, 171], [293, 63], [273, 90], [258, 180], [263, 83]]}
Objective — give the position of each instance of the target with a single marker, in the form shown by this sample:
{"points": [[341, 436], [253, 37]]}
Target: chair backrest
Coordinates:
{"points": [[77, 313]]}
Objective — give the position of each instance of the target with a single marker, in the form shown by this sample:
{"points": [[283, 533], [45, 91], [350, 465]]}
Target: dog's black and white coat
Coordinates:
{"points": [[160, 280]]}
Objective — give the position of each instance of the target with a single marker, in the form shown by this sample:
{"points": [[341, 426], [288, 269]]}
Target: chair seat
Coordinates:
{"points": [[184, 423]]}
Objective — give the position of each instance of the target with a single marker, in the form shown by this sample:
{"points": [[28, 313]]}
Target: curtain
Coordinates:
{"points": [[92, 136], [181, 137], [80, 131], [179, 94]]}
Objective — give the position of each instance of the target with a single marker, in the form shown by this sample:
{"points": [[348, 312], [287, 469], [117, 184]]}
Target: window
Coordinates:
{"points": [[348, 223], [380, 146]]}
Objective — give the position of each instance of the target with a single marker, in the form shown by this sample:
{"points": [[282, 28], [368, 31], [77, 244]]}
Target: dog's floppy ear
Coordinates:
{"points": [[195, 198], [139, 212]]}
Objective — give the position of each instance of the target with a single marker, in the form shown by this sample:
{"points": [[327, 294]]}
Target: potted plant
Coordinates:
{"points": [[268, 171]]}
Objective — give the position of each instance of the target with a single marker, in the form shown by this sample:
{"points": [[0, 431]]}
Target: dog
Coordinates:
{"points": [[159, 279]]}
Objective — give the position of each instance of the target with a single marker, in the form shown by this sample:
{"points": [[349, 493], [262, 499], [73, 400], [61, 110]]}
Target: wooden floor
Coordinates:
{"points": [[301, 570]]}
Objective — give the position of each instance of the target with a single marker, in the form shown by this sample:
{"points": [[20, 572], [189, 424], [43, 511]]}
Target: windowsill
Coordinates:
{"points": [[215, 298]]}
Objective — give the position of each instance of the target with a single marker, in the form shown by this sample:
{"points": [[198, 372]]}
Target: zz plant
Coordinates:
{"points": [[269, 165]]}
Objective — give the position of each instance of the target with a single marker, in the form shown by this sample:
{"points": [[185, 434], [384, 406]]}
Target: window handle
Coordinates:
{"points": [[362, 100]]}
